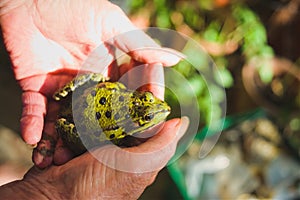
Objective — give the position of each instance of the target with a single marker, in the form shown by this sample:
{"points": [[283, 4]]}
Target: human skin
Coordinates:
{"points": [[48, 41], [84, 177]]}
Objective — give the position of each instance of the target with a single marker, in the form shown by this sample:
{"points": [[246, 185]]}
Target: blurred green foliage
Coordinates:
{"points": [[214, 26], [254, 41], [235, 38], [233, 35]]}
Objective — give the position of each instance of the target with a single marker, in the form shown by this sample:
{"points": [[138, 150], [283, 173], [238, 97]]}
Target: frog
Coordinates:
{"points": [[95, 110]]}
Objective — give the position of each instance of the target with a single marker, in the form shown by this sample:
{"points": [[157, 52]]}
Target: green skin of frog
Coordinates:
{"points": [[104, 111]]}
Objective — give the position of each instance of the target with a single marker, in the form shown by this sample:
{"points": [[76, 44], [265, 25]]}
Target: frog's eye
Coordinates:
{"points": [[149, 117], [149, 97]]}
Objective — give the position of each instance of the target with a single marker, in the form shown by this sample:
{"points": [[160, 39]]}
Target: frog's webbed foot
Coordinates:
{"points": [[70, 136], [78, 81]]}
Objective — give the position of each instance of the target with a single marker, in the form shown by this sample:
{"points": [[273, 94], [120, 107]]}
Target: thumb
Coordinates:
{"points": [[32, 120], [150, 156]]}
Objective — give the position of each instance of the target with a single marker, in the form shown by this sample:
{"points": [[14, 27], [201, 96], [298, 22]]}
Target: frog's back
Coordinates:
{"points": [[104, 109], [96, 113]]}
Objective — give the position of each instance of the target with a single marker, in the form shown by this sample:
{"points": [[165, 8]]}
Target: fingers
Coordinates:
{"points": [[62, 154], [143, 49], [135, 42], [150, 156], [145, 77], [168, 137], [43, 154], [153, 79], [32, 120]]}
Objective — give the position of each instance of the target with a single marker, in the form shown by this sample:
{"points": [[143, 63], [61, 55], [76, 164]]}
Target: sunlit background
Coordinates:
{"points": [[255, 46]]}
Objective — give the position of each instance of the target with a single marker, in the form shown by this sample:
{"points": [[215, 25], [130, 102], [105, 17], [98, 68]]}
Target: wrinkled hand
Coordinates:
{"points": [[48, 41], [85, 177]]}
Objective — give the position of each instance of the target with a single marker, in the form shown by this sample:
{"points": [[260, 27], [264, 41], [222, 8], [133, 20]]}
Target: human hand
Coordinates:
{"points": [[48, 42], [85, 177]]}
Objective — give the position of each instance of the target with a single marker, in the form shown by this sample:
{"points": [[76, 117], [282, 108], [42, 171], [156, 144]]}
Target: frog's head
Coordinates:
{"points": [[148, 110]]}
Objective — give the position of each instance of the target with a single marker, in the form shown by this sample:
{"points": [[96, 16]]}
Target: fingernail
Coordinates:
{"points": [[32, 146], [184, 124]]}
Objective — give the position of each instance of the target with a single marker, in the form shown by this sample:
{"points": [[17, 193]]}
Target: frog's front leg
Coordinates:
{"points": [[69, 135], [78, 81]]}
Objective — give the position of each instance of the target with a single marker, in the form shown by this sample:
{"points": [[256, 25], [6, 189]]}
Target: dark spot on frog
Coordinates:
{"points": [[112, 136], [124, 109], [149, 117], [98, 115], [139, 108], [135, 103], [108, 114], [93, 93], [102, 100], [127, 116], [121, 98], [117, 116]]}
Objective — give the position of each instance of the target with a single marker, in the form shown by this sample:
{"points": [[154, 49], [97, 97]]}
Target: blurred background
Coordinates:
{"points": [[255, 47]]}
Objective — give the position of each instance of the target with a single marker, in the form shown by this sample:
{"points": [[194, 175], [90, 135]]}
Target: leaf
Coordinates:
{"points": [[265, 73], [197, 84], [196, 55], [224, 77], [163, 20]]}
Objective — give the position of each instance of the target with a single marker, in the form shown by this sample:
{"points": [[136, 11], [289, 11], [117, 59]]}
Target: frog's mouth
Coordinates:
{"points": [[138, 125], [162, 114], [149, 132]]}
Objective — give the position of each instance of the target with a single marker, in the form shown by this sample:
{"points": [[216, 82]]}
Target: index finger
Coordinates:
{"points": [[154, 76], [144, 77]]}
